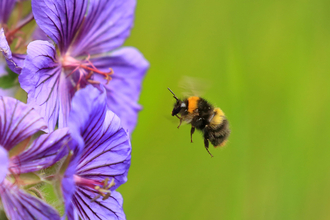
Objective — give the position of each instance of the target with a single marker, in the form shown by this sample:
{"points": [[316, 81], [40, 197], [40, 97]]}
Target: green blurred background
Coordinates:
{"points": [[268, 62]]}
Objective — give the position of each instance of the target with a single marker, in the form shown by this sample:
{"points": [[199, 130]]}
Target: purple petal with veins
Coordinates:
{"points": [[102, 154], [45, 151], [111, 208], [107, 156], [88, 110], [17, 122], [106, 27], [48, 90], [60, 19], [123, 91], [19, 205]]}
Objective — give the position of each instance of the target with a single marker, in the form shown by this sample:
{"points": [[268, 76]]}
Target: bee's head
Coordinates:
{"points": [[179, 104]]}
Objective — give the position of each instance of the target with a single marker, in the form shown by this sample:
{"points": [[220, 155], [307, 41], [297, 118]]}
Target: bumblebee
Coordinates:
{"points": [[202, 116]]}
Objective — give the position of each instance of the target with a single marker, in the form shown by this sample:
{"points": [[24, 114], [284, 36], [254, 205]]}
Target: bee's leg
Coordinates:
{"points": [[191, 132], [206, 143], [180, 120]]}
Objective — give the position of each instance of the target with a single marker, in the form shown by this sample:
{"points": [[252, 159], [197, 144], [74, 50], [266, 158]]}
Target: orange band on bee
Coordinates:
{"points": [[192, 103]]}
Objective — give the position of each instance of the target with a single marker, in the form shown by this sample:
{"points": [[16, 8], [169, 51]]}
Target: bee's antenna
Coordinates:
{"points": [[174, 96]]}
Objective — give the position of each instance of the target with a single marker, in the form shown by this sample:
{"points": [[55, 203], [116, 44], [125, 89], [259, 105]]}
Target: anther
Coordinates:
{"points": [[104, 190]]}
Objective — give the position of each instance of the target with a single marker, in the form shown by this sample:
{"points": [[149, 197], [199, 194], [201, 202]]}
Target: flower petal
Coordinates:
{"points": [[103, 147], [68, 188], [87, 113], [46, 150], [111, 208], [106, 27], [4, 160], [59, 19], [86, 118], [15, 61], [6, 7], [106, 150], [68, 185], [18, 121], [42, 78], [107, 156], [39, 34], [123, 91], [22, 206]]}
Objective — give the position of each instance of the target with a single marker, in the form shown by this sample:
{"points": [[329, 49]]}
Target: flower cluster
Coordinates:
{"points": [[82, 87]]}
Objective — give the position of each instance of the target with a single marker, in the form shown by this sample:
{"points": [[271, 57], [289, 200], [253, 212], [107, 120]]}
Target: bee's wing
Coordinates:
{"points": [[171, 118], [192, 86]]}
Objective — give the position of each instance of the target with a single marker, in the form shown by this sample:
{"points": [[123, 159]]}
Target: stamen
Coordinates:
{"points": [[95, 198], [104, 190], [86, 69], [93, 81], [95, 70], [101, 188]]}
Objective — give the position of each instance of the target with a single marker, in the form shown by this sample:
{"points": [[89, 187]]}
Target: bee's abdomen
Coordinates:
{"points": [[217, 134], [217, 118]]}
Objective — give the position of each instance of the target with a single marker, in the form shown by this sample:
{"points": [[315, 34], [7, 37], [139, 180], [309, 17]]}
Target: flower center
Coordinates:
{"points": [[101, 188], [85, 68]]}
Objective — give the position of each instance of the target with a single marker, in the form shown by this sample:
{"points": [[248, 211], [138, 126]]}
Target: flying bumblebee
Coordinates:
{"points": [[202, 116]]}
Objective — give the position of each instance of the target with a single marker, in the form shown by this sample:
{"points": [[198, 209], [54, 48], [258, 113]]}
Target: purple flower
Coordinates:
{"points": [[101, 154], [86, 34], [18, 122]]}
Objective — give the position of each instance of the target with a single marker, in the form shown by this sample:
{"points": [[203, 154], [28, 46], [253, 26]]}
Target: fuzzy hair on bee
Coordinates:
{"points": [[203, 116]]}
